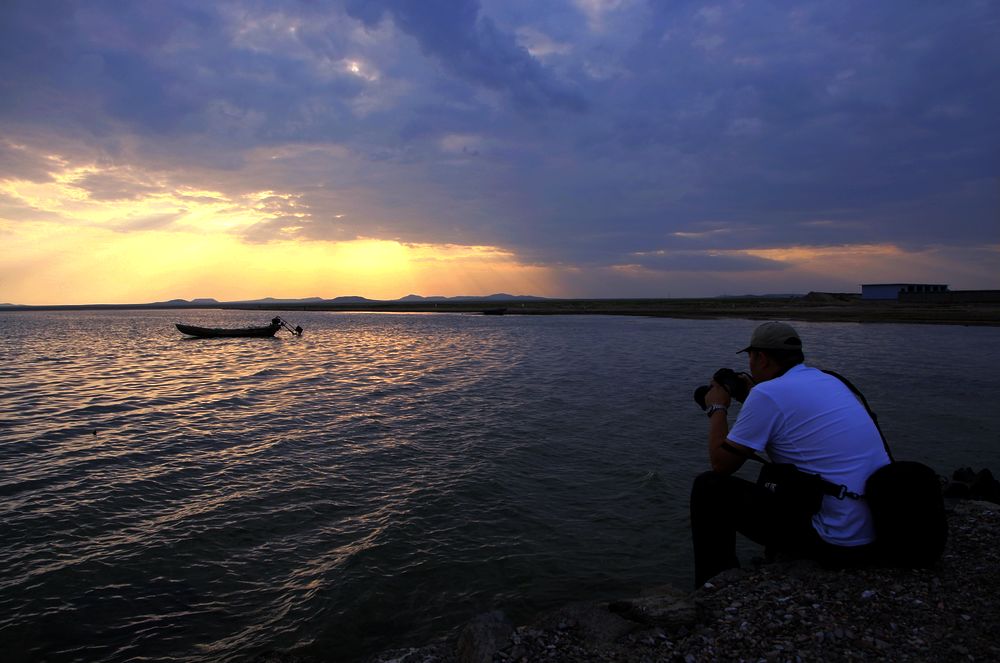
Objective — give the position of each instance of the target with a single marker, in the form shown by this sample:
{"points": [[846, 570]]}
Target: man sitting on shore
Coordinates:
{"points": [[798, 415]]}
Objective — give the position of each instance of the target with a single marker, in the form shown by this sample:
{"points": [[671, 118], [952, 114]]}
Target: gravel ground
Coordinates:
{"points": [[790, 611]]}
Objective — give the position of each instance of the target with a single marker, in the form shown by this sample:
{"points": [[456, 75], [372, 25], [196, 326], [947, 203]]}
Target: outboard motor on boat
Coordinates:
{"points": [[296, 331]]}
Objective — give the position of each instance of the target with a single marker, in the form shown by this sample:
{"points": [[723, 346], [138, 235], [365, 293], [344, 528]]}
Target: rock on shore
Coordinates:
{"points": [[792, 611]]}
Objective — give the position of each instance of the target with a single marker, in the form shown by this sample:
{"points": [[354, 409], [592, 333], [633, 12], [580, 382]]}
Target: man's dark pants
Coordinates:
{"points": [[722, 505]]}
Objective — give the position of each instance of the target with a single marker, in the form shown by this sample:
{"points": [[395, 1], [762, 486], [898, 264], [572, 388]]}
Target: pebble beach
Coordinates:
{"points": [[783, 611]]}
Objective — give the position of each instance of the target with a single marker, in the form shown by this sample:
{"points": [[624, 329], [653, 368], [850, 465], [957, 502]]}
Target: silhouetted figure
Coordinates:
{"points": [[798, 415]]}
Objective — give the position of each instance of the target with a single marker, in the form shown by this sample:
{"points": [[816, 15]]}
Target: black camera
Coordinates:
{"points": [[735, 383]]}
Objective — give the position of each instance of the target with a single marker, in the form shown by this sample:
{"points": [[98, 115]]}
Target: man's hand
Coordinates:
{"points": [[717, 395], [723, 461], [748, 380]]}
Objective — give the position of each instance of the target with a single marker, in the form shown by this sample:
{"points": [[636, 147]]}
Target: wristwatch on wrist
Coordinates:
{"points": [[715, 407]]}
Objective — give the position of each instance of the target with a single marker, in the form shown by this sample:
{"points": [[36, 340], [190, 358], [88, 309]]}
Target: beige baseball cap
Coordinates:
{"points": [[774, 335]]}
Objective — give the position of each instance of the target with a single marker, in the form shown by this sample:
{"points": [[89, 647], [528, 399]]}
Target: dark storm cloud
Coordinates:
{"points": [[71, 63], [162, 71], [574, 133], [705, 261], [470, 45]]}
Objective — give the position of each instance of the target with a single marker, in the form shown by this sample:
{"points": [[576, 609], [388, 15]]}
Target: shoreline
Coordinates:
{"points": [[792, 610], [769, 611], [829, 308]]}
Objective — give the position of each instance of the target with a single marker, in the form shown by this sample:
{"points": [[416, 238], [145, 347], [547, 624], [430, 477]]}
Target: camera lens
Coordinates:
{"points": [[699, 395]]}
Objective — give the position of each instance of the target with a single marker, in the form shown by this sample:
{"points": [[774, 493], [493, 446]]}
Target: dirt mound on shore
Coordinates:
{"points": [[831, 298]]}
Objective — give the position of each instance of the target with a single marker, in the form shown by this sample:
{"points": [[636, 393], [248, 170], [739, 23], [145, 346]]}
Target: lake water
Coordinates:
{"points": [[385, 477]]}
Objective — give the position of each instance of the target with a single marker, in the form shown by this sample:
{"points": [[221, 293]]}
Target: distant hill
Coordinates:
{"points": [[419, 298], [268, 301], [790, 295], [832, 297], [351, 299], [203, 302], [498, 297], [273, 300]]}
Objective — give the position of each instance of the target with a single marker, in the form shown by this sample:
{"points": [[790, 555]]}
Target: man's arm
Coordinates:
{"points": [[723, 460]]}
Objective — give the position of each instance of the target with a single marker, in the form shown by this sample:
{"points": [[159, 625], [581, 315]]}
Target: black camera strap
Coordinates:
{"points": [[864, 401]]}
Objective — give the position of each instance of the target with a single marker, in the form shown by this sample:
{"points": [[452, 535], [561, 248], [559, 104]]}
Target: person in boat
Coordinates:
{"points": [[798, 415]]}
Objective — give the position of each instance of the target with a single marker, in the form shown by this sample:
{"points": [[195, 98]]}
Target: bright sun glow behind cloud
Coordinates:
{"points": [[186, 244], [97, 265]]}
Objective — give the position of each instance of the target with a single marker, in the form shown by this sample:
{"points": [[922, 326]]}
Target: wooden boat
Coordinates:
{"points": [[215, 332], [257, 332]]}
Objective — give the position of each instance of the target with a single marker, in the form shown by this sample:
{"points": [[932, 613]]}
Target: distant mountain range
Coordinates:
{"points": [[355, 299], [208, 302]]}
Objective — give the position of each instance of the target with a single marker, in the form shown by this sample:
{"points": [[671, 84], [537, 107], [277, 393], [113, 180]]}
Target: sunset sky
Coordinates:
{"points": [[566, 148]]}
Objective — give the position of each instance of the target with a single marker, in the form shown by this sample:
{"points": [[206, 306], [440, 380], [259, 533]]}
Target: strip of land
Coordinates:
{"points": [[815, 307], [755, 309]]}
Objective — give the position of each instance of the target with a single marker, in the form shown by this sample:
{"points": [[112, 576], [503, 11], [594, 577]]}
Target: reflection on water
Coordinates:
{"points": [[383, 477]]}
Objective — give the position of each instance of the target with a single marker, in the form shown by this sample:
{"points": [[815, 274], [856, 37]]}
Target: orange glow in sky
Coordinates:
{"points": [[184, 245], [130, 238]]}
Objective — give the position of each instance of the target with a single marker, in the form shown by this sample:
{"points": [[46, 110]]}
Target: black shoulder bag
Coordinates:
{"points": [[911, 528]]}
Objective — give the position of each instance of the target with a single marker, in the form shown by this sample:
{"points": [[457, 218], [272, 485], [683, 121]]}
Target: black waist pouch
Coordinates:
{"points": [[798, 492]]}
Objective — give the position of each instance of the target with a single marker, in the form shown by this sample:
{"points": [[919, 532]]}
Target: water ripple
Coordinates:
{"points": [[372, 483]]}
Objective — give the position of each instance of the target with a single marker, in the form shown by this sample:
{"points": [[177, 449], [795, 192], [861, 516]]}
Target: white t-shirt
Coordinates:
{"points": [[812, 420]]}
